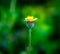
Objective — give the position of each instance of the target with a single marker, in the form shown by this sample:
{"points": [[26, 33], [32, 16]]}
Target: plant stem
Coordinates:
{"points": [[29, 41]]}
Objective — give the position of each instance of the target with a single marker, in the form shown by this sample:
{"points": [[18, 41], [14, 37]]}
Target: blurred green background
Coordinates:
{"points": [[14, 34]]}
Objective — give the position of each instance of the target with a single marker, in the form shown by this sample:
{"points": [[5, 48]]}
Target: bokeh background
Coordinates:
{"points": [[14, 34]]}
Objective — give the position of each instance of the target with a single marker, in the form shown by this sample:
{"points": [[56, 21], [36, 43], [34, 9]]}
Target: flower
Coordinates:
{"points": [[30, 19]]}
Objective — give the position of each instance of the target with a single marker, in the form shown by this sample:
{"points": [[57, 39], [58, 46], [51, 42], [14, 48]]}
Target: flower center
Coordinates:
{"points": [[30, 18]]}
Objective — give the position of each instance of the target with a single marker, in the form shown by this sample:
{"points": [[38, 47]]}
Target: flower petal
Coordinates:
{"points": [[35, 19]]}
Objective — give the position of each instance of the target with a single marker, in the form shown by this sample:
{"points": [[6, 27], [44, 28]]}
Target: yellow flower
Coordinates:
{"points": [[30, 19]]}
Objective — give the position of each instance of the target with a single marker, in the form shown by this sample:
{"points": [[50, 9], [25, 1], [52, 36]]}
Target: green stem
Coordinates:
{"points": [[29, 41]]}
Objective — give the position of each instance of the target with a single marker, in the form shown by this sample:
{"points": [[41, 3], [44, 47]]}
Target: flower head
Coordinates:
{"points": [[30, 19]]}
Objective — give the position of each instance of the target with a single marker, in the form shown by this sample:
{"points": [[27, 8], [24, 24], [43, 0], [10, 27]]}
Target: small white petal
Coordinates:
{"points": [[25, 19], [35, 19]]}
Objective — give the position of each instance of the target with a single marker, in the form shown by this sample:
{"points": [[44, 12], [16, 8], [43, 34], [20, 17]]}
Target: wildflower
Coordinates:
{"points": [[30, 21]]}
